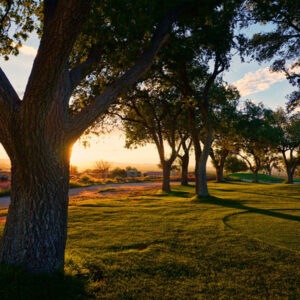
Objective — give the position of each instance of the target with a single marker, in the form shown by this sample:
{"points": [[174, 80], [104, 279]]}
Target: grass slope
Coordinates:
{"points": [[261, 177], [242, 243]]}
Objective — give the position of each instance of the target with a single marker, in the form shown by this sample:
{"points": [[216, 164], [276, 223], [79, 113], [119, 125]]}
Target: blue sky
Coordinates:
{"points": [[254, 81]]}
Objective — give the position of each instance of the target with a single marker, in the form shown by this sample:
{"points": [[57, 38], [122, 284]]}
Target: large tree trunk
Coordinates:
{"points": [[288, 169], [220, 167], [197, 169], [255, 176], [184, 169], [166, 177], [290, 175], [201, 187], [36, 228], [219, 173]]}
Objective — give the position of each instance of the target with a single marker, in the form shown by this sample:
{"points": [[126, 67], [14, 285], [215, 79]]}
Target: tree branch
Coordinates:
{"points": [[57, 41], [78, 73], [9, 99], [3, 17], [219, 67], [88, 115]]}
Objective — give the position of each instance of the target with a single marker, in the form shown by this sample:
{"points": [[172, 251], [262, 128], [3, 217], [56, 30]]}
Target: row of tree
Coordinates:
{"points": [[264, 139], [91, 52]]}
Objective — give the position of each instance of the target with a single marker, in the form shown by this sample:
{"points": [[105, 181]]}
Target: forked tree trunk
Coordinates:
{"points": [[184, 169], [166, 177], [201, 185], [36, 227]]}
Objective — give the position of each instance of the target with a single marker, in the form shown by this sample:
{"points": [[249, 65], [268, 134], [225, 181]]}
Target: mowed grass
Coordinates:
{"points": [[242, 243], [261, 177]]}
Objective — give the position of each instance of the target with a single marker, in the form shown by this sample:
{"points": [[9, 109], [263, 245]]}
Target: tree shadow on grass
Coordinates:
{"points": [[180, 194], [238, 205], [15, 283]]}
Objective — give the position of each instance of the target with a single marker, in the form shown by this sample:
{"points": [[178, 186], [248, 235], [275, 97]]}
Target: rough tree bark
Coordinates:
{"points": [[37, 134], [166, 177], [202, 185], [219, 173], [255, 175], [184, 169], [36, 227], [198, 152]]}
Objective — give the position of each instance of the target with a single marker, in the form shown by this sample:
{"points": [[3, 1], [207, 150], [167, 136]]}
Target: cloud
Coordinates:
{"points": [[28, 50], [258, 81]]}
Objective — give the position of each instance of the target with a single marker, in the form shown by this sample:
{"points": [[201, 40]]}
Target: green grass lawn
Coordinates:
{"points": [[261, 177], [243, 243]]}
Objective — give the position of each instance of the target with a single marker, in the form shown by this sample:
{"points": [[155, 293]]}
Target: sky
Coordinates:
{"points": [[253, 80]]}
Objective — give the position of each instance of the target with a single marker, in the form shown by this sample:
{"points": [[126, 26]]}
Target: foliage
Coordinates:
{"points": [[225, 125], [18, 19], [288, 140], [233, 164], [282, 42], [257, 134]]}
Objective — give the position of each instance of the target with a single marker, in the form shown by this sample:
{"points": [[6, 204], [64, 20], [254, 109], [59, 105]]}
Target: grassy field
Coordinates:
{"points": [[242, 243], [261, 177]]}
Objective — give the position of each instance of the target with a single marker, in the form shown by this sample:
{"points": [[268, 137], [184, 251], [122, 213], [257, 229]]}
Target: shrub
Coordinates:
{"points": [[4, 192], [118, 172]]}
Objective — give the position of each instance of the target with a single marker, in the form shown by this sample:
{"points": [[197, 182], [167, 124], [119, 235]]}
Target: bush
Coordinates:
{"points": [[75, 184], [118, 172], [5, 192]]}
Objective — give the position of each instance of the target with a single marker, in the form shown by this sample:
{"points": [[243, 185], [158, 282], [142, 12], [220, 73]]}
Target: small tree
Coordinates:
{"points": [[102, 168], [288, 141], [271, 162], [225, 131], [257, 134], [151, 114]]}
